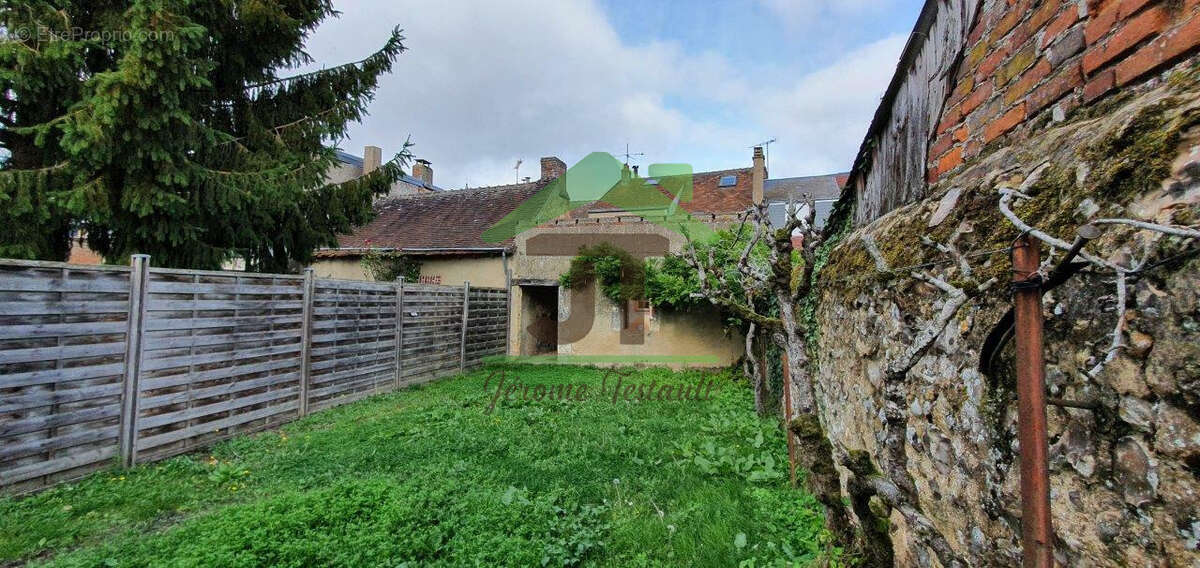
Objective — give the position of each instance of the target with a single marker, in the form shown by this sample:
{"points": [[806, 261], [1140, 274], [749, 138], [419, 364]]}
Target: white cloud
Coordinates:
{"points": [[487, 83], [822, 118]]}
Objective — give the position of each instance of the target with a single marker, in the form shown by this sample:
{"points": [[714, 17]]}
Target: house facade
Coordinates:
{"points": [[443, 232]]}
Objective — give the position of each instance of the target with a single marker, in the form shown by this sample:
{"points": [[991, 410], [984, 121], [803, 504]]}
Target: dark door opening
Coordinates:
{"points": [[540, 314]]}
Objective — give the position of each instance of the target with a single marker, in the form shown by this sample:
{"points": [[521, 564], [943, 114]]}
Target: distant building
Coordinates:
{"points": [[351, 166], [443, 231], [823, 190]]}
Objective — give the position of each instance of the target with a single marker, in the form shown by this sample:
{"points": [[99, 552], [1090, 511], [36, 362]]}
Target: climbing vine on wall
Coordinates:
{"points": [[390, 266]]}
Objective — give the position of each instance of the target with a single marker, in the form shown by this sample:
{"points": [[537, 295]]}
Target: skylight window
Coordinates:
{"points": [[727, 181], [652, 181]]}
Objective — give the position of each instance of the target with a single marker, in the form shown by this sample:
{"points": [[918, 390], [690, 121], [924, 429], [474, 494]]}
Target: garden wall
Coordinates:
{"points": [[1092, 109], [102, 363]]}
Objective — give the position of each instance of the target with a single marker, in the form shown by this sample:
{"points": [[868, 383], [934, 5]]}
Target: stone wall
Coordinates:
{"points": [[1125, 470]]}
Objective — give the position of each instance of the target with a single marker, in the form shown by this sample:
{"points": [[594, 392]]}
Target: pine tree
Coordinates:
{"points": [[165, 127]]}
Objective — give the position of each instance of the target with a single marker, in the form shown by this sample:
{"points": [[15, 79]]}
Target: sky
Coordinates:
{"points": [[485, 83]]}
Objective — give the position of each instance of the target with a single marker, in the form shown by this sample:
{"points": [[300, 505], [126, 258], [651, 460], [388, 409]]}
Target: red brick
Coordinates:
{"points": [[1066, 18], [1054, 89], [1027, 82], [1184, 38], [950, 118], [960, 135], [1012, 15], [1132, 33], [1102, 23], [943, 143], [1043, 14], [1129, 7], [977, 97], [951, 160], [991, 62], [1005, 123], [1099, 85]]}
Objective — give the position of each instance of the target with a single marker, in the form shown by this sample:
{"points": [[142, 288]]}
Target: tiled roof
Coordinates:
{"points": [[707, 195], [442, 220], [817, 187]]}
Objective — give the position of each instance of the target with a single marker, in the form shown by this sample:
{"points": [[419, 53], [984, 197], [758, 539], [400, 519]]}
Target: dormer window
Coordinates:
{"points": [[727, 181]]}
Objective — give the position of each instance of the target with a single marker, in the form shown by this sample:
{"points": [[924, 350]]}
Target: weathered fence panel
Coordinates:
{"points": [[432, 334], [221, 355], [353, 341], [62, 351], [102, 364], [487, 333]]}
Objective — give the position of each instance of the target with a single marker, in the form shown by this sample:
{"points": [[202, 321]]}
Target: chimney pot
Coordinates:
{"points": [[372, 159], [552, 167], [423, 171]]}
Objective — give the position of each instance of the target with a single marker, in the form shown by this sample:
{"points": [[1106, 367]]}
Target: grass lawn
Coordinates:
{"points": [[427, 476]]}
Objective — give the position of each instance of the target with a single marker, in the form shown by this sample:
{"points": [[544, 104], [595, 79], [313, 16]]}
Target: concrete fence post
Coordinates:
{"points": [[306, 333], [462, 356], [399, 330], [139, 265]]}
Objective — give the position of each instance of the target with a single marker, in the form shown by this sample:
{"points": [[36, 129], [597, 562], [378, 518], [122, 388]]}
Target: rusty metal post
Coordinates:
{"points": [[1036, 533], [787, 418]]}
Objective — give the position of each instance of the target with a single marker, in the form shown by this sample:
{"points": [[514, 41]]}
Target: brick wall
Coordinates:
{"points": [[1026, 58]]}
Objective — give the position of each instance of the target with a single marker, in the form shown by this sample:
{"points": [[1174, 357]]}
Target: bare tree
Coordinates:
{"points": [[789, 283]]}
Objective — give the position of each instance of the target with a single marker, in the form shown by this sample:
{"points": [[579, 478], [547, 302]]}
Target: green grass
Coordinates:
{"points": [[426, 476]]}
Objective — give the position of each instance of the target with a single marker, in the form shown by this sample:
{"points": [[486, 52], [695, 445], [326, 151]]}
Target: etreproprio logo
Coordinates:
{"points": [[600, 177]]}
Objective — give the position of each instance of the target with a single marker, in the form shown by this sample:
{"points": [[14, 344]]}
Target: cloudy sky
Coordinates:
{"points": [[488, 82]]}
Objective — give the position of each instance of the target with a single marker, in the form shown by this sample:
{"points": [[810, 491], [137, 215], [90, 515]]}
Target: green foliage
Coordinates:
{"points": [[173, 134], [621, 276], [425, 477], [389, 266]]}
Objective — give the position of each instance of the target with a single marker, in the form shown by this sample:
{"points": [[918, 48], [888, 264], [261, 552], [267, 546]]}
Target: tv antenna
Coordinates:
{"points": [[517, 169], [766, 146], [628, 155]]}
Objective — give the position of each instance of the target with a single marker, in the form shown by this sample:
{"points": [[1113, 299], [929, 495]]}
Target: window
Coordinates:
{"points": [[652, 181], [727, 181], [429, 279]]}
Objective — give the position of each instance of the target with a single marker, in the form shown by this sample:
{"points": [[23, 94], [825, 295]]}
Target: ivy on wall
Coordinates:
{"points": [[390, 266]]}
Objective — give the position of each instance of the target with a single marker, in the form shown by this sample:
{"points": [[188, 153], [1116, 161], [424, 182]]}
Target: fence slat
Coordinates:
{"points": [[140, 265]]}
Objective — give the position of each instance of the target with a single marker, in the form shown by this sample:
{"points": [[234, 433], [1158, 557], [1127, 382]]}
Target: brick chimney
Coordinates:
{"points": [[372, 159], [758, 174], [423, 171], [552, 167]]}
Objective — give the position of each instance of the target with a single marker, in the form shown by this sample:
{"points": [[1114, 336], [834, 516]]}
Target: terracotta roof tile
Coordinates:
{"points": [[444, 220]]}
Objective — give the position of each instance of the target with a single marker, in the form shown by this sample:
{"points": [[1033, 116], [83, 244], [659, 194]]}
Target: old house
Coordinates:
{"points": [[350, 166], [444, 232]]}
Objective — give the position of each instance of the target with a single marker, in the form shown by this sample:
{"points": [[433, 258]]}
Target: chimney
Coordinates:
{"points": [[423, 171], [552, 167], [758, 174], [372, 159], [635, 171]]}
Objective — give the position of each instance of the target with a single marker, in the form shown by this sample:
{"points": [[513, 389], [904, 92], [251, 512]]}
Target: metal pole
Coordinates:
{"points": [[139, 265], [1036, 533]]}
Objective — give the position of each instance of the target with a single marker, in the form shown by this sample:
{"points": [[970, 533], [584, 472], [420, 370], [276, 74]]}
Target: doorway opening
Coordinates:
{"points": [[539, 307]]}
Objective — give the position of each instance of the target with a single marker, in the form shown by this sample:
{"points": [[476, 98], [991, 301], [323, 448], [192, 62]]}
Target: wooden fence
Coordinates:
{"points": [[104, 364]]}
